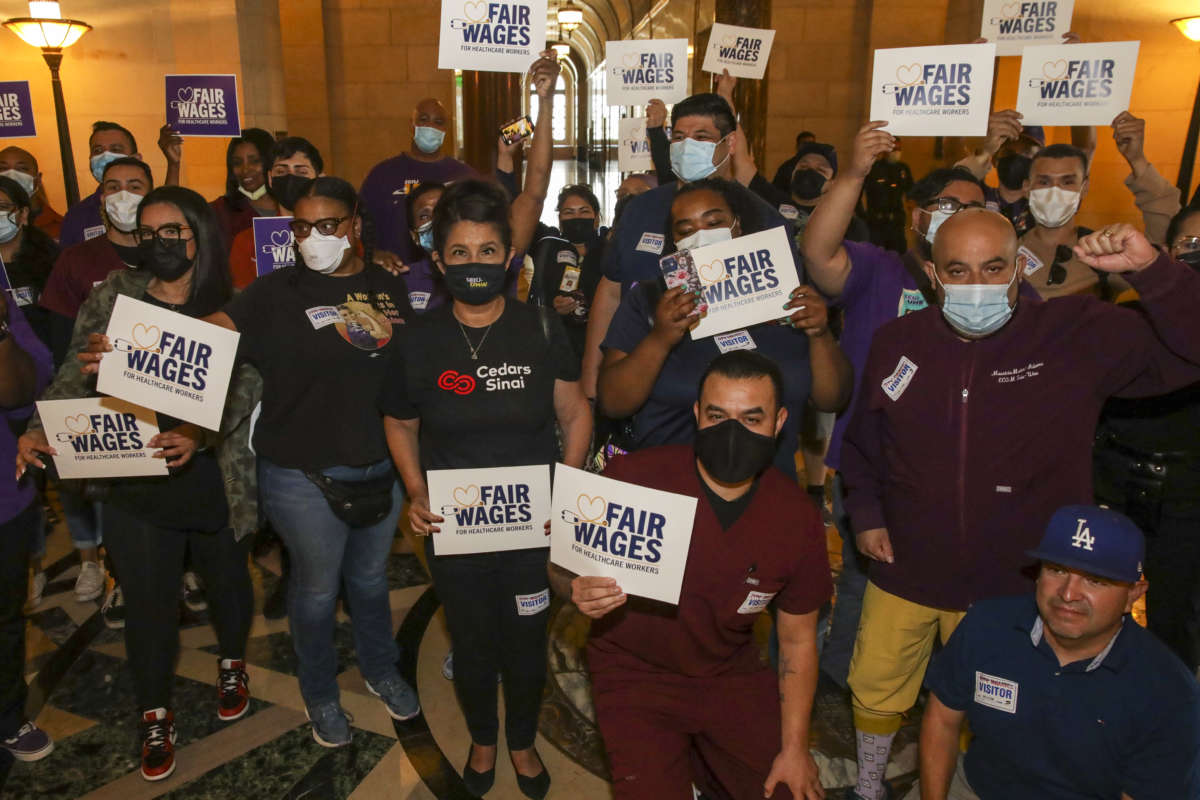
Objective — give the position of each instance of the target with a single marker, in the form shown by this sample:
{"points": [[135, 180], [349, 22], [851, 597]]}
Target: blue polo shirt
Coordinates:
{"points": [[1127, 720], [640, 238], [667, 417]]}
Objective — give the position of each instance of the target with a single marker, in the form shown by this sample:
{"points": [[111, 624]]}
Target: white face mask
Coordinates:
{"points": [[704, 237], [121, 208], [26, 180], [256, 194], [322, 253], [1053, 206]]}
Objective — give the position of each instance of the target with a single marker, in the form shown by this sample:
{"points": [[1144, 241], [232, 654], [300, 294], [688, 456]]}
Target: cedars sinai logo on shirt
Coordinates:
{"points": [[505, 377]]}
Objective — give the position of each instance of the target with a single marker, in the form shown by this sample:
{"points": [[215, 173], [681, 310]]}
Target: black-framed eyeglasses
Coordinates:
{"points": [[171, 232], [301, 228], [950, 205], [1058, 272], [1182, 244]]}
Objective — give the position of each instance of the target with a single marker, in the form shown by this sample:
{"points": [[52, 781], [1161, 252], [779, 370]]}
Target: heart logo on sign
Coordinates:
{"points": [[467, 496], [1010, 10], [713, 271], [631, 60], [281, 237], [729, 41], [909, 74], [184, 94], [1055, 70], [78, 424], [591, 509], [146, 336], [471, 10]]}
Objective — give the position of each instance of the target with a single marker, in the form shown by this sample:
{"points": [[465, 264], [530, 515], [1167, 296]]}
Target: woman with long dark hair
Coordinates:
{"points": [[27, 253], [205, 503], [246, 191]]}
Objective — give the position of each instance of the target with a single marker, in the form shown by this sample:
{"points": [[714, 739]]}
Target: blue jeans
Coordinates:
{"points": [[324, 553], [84, 521], [851, 583]]}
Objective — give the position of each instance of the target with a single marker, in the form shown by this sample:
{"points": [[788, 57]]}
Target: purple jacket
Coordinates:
{"points": [[963, 450], [16, 496], [80, 218]]}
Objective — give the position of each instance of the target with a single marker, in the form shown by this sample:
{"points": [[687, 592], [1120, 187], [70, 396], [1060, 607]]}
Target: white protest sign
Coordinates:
{"points": [[101, 437], [1012, 25], [1076, 84], [745, 281], [491, 37], [611, 529], [640, 70], [934, 91], [633, 152], [742, 51], [169, 362], [486, 510]]}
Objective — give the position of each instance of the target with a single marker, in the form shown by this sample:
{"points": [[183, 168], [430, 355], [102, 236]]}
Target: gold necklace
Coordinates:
{"points": [[475, 348]]}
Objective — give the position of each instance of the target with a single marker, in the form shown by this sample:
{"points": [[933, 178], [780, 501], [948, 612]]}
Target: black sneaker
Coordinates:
{"points": [[113, 610], [158, 744]]}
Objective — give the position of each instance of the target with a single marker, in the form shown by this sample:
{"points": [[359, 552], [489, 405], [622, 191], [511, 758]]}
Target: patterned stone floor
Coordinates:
{"points": [[81, 692]]}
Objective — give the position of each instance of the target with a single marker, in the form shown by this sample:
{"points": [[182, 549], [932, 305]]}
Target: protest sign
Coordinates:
{"points": [[101, 437], [934, 91], [274, 244], [1012, 25], [742, 51], [203, 105], [491, 37], [168, 362], [640, 70], [611, 529], [16, 110], [488, 510], [633, 152], [1076, 84], [745, 280]]}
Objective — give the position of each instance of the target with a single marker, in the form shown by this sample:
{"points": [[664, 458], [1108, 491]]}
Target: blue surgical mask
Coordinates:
{"points": [[427, 139], [8, 228], [976, 309], [692, 160], [936, 218], [102, 160], [425, 236]]}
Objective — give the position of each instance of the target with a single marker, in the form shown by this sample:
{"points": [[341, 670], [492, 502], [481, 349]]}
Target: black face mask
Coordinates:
{"points": [[130, 254], [578, 230], [165, 260], [1013, 170], [732, 453], [1192, 259], [287, 189], [475, 284], [807, 184]]}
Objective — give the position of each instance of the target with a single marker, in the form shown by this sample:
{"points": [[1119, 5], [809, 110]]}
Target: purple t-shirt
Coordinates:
{"points": [[878, 289], [17, 495], [82, 221], [386, 188]]}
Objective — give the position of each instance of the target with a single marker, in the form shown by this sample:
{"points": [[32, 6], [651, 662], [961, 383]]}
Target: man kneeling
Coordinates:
{"points": [[1068, 698], [681, 695]]}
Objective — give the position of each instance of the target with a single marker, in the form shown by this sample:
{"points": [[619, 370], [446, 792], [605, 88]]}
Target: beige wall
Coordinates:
{"points": [[115, 73]]}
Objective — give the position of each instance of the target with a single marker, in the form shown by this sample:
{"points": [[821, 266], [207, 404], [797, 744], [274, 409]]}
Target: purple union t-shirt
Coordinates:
{"points": [[385, 192]]}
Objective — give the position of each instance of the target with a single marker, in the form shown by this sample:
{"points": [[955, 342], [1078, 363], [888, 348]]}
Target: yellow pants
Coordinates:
{"points": [[891, 652]]}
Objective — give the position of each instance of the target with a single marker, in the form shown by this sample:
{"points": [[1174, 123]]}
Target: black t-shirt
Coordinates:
{"points": [[320, 343], [497, 411], [190, 498], [727, 511]]}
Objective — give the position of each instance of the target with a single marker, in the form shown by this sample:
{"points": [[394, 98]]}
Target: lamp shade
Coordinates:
{"points": [[562, 48], [52, 34], [1189, 27], [570, 16]]}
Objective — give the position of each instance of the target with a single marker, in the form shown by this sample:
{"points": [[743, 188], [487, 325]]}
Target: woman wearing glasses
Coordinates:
{"points": [[202, 504], [319, 333]]}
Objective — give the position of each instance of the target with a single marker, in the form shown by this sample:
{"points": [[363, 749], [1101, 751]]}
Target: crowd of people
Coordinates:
{"points": [[1014, 455]]}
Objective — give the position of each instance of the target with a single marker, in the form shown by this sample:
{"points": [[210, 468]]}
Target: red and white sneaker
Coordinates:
{"points": [[158, 744], [233, 689]]}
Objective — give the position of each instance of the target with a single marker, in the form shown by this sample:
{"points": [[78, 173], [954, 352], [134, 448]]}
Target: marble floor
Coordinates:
{"points": [[81, 692]]}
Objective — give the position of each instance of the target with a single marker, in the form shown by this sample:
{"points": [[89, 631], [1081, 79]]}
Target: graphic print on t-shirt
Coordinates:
{"points": [[367, 326]]}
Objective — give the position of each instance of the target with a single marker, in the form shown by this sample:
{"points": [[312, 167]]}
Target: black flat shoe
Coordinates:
{"points": [[536, 787], [478, 783]]}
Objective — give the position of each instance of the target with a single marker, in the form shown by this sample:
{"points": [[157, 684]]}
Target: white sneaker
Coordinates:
{"points": [[37, 589], [90, 583]]}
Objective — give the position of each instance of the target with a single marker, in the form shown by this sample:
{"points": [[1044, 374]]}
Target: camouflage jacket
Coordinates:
{"points": [[232, 442]]}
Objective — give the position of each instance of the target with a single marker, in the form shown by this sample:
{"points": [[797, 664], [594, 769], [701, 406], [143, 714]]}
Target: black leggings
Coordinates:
{"points": [[149, 560], [496, 608]]}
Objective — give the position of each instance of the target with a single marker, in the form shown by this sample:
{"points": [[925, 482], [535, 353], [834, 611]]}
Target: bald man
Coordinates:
{"points": [[974, 423], [22, 167], [388, 183]]}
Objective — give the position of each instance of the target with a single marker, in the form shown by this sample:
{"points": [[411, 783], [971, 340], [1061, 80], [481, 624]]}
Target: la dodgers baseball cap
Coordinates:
{"points": [[1095, 540]]}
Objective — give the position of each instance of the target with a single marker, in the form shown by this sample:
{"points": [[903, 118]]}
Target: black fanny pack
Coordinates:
{"points": [[359, 504]]}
